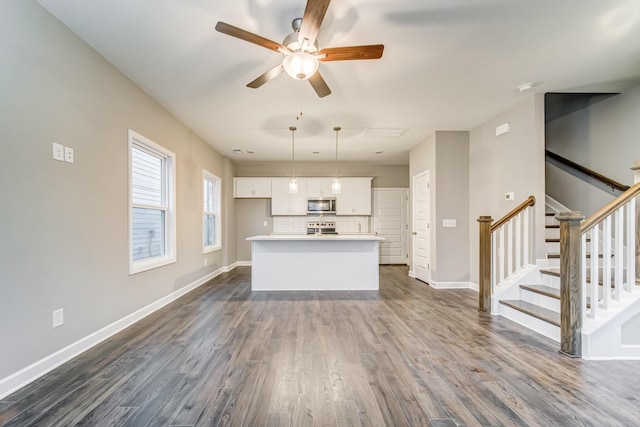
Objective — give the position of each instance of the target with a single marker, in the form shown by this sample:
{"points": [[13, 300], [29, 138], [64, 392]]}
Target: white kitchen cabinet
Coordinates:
{"points": [[252, 187], [285, 203], [354, 197], [319, 187]]}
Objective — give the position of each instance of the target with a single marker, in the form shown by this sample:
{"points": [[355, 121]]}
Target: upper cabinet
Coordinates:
{"points": [[319, 187], [354, 197], [285, 203], [252, 187]]}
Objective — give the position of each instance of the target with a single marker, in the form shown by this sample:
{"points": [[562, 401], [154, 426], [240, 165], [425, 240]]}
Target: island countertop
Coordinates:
{"points": [[313, 237]]}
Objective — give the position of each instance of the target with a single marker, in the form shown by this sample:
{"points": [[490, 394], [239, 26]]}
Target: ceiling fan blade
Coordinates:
{"points": [[373, 51], [269, 75], [319, 85], [312, 19], [241, 34]]}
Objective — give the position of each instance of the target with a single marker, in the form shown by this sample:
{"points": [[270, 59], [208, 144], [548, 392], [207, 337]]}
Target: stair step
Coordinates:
{"points": [[557, 255], [551, 271], [538, 312], [557, 240], [550, 214], [542, 290], [552, 226]]}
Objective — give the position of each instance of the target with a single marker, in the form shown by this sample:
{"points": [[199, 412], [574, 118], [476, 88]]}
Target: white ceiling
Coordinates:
{"points": [[447, 65]]}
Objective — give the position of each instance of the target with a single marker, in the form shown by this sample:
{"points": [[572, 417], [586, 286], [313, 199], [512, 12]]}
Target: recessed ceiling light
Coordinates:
{"points": [[237, 151], [384, 132], [379, 152], [525, 87]]}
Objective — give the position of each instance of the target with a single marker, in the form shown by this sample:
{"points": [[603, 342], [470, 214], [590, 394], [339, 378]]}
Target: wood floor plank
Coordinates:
{"points": [[405, 355]]}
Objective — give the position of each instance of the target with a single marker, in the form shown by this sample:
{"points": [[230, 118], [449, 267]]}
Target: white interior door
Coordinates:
{"points": [[421, 233], [390, 222]]}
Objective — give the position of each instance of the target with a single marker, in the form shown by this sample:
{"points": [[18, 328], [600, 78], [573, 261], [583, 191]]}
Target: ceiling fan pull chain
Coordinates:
{"points": [[299, 109]]}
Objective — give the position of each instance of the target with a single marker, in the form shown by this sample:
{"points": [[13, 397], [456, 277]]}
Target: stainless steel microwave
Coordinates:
{"points": [[321, 206]]}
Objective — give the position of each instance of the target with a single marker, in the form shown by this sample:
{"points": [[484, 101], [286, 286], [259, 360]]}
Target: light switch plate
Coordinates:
{"points": [[58, 152], [509, 196], [68, 154], [449, 223], [58, 318]]}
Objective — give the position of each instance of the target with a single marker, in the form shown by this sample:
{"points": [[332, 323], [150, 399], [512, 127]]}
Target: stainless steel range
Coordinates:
{"points": [[322, 227]]}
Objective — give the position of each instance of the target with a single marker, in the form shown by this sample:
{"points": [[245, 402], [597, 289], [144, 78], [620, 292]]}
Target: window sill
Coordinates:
{"points": [[210, 249], [150, 264]]}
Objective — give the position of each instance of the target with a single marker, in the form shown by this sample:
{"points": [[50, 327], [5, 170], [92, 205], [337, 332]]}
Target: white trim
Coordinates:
{"points": [[450, 285], [45, 365], [170, 255], [217, 181], [554, 205], [244, 263]]}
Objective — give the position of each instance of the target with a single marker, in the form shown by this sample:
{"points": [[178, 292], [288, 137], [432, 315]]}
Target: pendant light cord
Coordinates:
{"points": [[293, 151]]}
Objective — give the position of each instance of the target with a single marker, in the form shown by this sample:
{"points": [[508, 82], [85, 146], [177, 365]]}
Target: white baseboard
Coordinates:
{"points": [[34, 371], [450, 285], [411, 274], [244, 263]]}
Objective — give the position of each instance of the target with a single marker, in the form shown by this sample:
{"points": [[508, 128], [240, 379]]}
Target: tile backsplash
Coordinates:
{"points": [[298, 224]]}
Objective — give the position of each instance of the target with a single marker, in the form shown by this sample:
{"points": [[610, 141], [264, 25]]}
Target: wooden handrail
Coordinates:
{"points": [[593, 174], [609, 208], [531, 200]]}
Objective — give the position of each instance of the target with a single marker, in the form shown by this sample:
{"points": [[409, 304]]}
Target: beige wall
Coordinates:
{"points": [[445, 154], [384, 176], [513, 162], [602, 137], [64, 226]]}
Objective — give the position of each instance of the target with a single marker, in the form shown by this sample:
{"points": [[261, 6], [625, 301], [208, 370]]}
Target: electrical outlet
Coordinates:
{"points": [[205, 261], [58, 318], [265, 224], [68, 154], [58, 152]]}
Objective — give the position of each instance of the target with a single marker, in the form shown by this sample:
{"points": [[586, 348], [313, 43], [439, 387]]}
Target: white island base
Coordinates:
{"points": [[312, 263]]}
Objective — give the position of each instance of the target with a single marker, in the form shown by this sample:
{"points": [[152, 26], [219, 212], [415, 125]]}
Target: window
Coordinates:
{"points": [[152, 217], [211, 212]]}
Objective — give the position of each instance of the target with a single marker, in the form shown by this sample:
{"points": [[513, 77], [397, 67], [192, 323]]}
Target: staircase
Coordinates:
{"points": [[538, 300]]}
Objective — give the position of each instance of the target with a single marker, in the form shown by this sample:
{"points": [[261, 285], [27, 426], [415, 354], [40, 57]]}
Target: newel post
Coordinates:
{"points": [[570, 284], [484, 278]]}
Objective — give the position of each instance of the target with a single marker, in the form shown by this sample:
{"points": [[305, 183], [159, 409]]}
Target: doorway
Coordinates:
{"points": [[390, 207]]}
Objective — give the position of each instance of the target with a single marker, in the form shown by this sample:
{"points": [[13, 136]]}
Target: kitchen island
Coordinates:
{"points": [[294, 262]]}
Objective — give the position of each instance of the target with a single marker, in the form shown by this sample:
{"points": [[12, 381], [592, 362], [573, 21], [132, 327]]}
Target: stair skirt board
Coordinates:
{"points": [[530, 322]]}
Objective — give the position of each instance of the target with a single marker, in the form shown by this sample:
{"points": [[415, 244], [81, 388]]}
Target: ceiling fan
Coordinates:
{"points": [[300, 49]]}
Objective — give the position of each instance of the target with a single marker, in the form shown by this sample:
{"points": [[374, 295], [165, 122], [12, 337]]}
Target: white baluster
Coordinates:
{"points": [[527, 236], [593, 285], [494, 262], [501, 268], [583, 273], [519, 242], [606, 262], [510, 249], [618, 255], [631, 245]]}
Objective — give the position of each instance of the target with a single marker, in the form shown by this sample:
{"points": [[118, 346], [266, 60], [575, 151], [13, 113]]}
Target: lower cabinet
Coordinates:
{"points": [[285, 203]]}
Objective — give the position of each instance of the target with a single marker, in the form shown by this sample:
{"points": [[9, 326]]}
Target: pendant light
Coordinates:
{"points": [[293, 182], [336, 185]]}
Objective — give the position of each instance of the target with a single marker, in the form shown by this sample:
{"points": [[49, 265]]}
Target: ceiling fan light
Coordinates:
{"points": [[300, 65]]}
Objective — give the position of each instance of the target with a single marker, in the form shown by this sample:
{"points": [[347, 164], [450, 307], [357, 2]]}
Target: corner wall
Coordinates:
{"points": [[64, 226], [513, 162]]}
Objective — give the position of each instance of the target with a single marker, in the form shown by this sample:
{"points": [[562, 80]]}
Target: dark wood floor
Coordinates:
{"points": [[404, 356]]}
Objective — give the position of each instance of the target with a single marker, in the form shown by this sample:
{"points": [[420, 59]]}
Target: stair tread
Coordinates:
{"points": [[543, 290], [552, 226], [557, 255], [551, 271], [550, 214], [536, 311], [557, 240]]}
